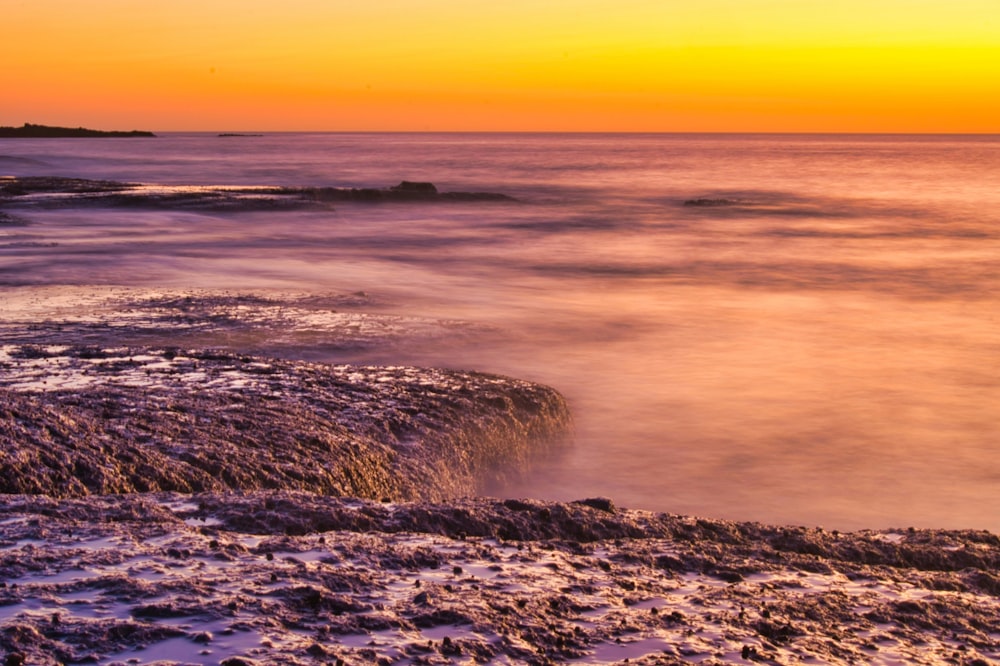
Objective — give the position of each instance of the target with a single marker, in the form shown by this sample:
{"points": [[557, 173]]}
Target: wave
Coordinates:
{"points": [[12, 220], [780, 204], [879, 234], [15, 160], [771, 205], [970, 279]]}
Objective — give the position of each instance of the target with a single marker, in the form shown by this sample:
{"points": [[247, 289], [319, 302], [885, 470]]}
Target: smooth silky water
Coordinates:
{"points": [[816, 342]]}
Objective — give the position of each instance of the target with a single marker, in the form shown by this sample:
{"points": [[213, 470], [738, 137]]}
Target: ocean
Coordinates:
{"points": [[797, 329]]}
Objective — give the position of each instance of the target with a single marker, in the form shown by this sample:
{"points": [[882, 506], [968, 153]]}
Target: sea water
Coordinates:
{"points": [[787, 328]]}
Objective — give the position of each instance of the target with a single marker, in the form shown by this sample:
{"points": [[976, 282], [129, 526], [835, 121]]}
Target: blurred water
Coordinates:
{"points": [[816, 343]]}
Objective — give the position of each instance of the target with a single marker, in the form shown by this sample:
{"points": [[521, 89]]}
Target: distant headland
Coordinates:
{"points": [[29, 131]]}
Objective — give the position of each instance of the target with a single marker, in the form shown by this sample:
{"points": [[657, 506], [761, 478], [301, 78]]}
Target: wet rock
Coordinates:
{"points": [[708, 202], [314, 599], [352, 590], [518, 505], [396, 433], [727, 575], [22, 191], [408, 186], [316, 650], [776, 633], [158, 610], [23, 186]]}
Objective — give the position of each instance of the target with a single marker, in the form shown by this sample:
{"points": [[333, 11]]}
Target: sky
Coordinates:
{"points": [[514, 65]]}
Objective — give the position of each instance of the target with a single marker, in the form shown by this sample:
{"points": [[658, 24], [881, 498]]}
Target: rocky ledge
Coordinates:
{"points": [[88, 420]]}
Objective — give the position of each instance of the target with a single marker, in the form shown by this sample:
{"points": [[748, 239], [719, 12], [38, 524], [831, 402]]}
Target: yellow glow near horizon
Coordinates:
{"points": [[581, 65]]}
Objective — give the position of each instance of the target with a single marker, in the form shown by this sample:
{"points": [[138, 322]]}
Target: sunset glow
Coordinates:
{"points": [[582, 65]]}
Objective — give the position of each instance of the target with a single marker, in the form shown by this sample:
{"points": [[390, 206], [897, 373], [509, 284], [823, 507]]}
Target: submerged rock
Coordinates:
{"points": [[11, 186], [408, 186], [405, 191], [707, 202], [38, 191]]}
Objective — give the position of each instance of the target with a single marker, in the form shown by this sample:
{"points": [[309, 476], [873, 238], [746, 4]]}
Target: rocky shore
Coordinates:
{"points": [[195, 505], [298, 578], [218, 504]]}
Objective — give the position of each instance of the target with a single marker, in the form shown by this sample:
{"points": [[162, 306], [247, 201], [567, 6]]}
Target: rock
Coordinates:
{"points": [[381, 433], [421, 188], [316, 650], [705, 202], [18, 190], [600, 503], [353, 594], [518, 505]]}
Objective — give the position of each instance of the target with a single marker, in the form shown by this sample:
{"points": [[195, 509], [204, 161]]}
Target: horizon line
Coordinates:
{"points": [[583, 132], [723, 132]]}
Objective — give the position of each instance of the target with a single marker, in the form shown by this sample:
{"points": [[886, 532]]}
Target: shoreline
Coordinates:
{"points": [[265, 570], [296, 578], [181, 488]]}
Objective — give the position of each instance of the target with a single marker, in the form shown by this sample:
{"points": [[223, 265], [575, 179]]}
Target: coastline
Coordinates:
{"points": [[31, 131], [253, 565], [180, 488], [297, 578]]}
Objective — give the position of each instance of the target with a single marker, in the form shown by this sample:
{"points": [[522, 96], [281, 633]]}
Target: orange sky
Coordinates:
{"points": [[535, 65]]}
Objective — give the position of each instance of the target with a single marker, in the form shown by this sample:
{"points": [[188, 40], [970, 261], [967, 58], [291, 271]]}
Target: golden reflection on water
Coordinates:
{"points": [[840, 409]]}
